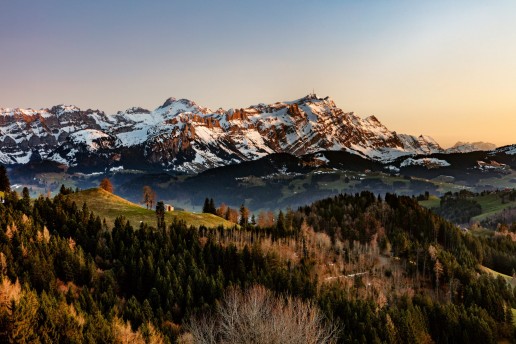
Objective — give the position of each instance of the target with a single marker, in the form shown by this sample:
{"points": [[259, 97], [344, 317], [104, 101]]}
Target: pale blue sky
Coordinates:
{"points": [[442, 68]]}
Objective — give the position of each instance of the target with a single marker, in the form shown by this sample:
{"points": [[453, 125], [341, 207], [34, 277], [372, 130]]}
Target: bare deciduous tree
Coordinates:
{"points": [[149, 196], [222, 209], [106, 185], [259, 316], [265, 219]]}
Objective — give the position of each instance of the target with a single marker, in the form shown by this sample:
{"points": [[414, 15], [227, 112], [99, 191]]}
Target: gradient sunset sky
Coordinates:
{"points": [[441, 68]]}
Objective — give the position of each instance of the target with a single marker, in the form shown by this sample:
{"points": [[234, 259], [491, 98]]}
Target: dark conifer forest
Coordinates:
{"points": [[377, 271]]}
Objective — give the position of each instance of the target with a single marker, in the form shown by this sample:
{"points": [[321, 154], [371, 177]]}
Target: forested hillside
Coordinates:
{"points": [[379, 270]]}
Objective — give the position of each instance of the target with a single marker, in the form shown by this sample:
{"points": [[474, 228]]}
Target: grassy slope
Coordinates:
{"points": [[506, 181], [491, 204], [109, 206], [432, 202]]}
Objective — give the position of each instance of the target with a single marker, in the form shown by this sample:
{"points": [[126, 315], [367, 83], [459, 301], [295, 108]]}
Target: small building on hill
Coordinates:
{"points": [[169, 207]]}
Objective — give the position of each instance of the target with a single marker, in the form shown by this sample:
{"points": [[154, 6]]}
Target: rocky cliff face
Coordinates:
{"points": [[183, 136]]}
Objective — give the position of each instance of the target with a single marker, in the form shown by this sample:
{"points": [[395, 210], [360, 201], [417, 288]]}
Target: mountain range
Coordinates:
{"points": [[182, 136], [272, 156]]}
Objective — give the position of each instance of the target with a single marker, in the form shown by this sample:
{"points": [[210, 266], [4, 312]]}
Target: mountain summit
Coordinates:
{"points": [[465, 147], [183, 136]]}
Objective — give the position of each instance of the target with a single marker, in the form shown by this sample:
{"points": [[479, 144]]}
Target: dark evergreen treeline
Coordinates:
{"points": [[146, 276], [79, 281]]}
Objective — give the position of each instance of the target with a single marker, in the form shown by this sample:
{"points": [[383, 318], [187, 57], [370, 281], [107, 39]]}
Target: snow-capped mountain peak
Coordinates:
{"points": [[465, 147], [184, 136]]}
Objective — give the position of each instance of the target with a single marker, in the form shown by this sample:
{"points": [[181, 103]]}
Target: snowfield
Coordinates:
{"points": [[428, 162], [89, 138]]}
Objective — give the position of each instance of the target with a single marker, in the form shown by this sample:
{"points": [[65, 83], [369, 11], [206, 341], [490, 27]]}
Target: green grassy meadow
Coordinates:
{"points": [[491, 204], [432, 202], [110, 206]]}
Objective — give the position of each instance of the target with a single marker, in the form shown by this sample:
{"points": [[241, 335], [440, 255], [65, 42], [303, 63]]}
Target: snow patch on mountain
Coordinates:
{"points": [[89, 137], [321, 158], [386, 155], [61, 160], [510, 150], [16, 158], [427, 162], [4, 159], [392, 169]]}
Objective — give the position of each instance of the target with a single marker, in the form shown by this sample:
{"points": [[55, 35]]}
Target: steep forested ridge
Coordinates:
{"points": [[384, 270]]}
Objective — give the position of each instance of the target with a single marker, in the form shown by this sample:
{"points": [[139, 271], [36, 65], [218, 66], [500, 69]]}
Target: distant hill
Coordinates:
{"points": [[109, 206], [282, 180], [273, 182]]}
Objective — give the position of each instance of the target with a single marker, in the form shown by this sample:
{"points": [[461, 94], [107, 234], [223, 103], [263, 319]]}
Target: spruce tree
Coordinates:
{"points": [[160, 215], [26, 199], [280, 224], [244, 215], [212, 209], [206, 206]]}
